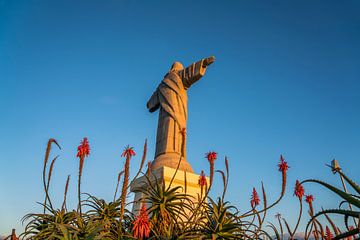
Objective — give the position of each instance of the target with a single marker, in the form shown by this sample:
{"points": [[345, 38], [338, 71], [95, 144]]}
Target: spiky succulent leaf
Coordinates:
{"points": [[272, 226], [347, 234], [351, 182], [342, 194]]}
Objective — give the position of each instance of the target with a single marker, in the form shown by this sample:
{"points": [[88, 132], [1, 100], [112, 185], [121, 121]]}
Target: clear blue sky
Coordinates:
{"points": [[286, 81]]}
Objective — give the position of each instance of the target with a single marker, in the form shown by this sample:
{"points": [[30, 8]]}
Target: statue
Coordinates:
{"points": [[171, 98]]}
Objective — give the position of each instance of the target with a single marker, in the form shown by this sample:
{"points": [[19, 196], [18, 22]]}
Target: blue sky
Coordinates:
{"points": [[285, 81]]}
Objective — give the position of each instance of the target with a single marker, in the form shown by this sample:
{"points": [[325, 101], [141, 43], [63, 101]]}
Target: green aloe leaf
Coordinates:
{"points": [[347, 234], [339, 192], [272, 226], [351, 182]]}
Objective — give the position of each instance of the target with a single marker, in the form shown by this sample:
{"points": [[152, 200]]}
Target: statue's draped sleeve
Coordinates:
{"points": [[193, 73], [154, 103]]}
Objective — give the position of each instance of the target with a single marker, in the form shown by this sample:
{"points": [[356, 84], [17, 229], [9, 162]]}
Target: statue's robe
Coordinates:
{"points": [[171, 98]]}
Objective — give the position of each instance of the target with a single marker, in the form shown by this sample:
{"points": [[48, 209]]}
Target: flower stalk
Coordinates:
{"points": [[46, 186], [127, 153], [83, 151]]}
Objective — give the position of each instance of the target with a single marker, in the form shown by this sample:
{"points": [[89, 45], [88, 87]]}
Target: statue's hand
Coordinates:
{"points": [[208, 61]]}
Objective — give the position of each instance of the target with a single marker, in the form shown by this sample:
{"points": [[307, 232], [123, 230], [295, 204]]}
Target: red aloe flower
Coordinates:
{"points": [[83, 149], [128, 152], [255, 200], [141, 224], [202, 179], [299, 190], [211, 157], [283, 166], [328, 235], [309, 198]]}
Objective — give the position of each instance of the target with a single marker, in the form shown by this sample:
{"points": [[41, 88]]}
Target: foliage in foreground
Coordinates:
{"points": [[170, 213]]}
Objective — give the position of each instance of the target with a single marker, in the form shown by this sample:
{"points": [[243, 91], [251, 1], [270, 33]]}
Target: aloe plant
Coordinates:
{"points": [[352, 199], [220, 221], [169, 213], [48, 225], [168, 208]]}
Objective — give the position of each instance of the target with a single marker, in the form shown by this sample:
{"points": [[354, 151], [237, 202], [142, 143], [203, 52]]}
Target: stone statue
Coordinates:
{"points": [[171, 98]]}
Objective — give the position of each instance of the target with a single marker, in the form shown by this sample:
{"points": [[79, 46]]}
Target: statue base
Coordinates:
{"points": [[164, 175], [171, 160]]}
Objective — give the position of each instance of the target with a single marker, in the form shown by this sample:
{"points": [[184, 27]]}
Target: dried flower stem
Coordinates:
{"points": [[148, 171], [65, 193], [281, 227], [332, 224], [264, 200], [47, 154], [142, 160], [49, 179], [299, 218], [311, 213], [50, 171], [117, 184]]}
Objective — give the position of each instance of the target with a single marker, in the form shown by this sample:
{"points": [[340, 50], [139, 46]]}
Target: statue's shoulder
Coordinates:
{"points": [[173, 76], [172, 80]]}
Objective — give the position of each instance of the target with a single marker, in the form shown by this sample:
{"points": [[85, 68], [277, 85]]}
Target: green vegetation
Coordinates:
{"points": [[170, 213]]}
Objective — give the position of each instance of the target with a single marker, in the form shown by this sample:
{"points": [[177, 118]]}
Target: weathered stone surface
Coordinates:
{"points": [[171, 160], [171, 99]]}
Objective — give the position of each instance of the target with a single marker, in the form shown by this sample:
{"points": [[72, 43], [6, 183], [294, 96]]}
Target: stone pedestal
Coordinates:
{"points": [[171, 160], [164, 175]]}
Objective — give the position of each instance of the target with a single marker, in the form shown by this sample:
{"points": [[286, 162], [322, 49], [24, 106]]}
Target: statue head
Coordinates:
{"points": [[176, 66]]}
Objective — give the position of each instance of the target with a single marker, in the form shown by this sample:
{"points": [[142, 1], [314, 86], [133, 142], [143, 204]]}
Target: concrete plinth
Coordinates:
{"points": [[164, 175], [171, 160]]}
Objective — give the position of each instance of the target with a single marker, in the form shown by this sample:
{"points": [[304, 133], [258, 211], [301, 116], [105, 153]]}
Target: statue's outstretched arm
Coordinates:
{"points": [[195, 71], [208, 61]]}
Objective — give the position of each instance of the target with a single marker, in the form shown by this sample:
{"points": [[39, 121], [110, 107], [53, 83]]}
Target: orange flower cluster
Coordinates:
{"points": [[255, 200], [211, 157], [83, 149], [299, 190], [283, 166], [202, 179], [141, 224], [128, 152], [328, 235], [309, 198]]}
